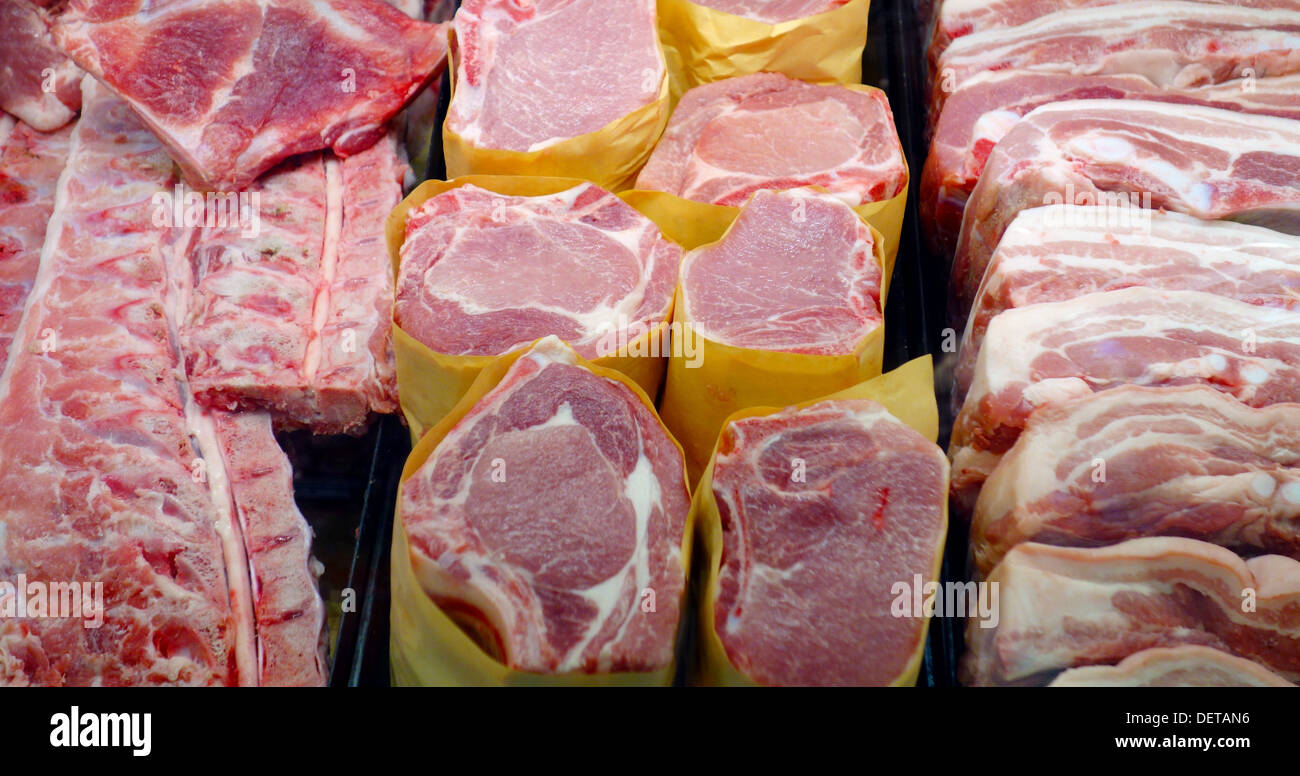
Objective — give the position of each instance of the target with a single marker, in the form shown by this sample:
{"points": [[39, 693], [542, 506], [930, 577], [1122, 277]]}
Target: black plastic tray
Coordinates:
{"points": [[913, 327]]}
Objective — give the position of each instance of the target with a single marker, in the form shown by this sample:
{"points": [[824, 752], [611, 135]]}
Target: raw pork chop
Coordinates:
{"points": [[30, 163], [1062, 607], [294, 318], [772, 11], [233, 87], [1056, 253], [957, 18], [485, 273], [731, 138], [1201, 161], [1131, 462], [531, 74], [796, 273], [1050, 352], [1176, 44], [867, 512], [115, 476], [1186, 666], [29, 63], [986, 106], [550, 565]]}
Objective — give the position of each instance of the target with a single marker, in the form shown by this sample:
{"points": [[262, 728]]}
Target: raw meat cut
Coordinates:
{"points": [[293, 314], [1048, 353], [485, 273], [986, 106], [529, 75], [796, 273], [731, 138], [957, 18], [30, 163], [1186, 666], [1202, 161], [1176, 44], [115, 476], [1131, 462], [287, 608], [38, 84], [1059, 252], [1062, 607], [868, 512], [772, 11], [549, 566], [233, 87]]}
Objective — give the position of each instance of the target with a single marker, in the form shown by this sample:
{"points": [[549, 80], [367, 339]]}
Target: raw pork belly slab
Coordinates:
{"points": [[957, 18], [1177, 44], [1186, 666], [28, 62], [1191, 159], [30, 163], [529, 75], [986, 106], [115, 477], [1057, 253], [731, 138], [295, 318], [484, 273], [772, 11], [1132, 462], [805, 589], [1051, 352], [1062, 607], [233, 87], [796, 273], [549, 566]]}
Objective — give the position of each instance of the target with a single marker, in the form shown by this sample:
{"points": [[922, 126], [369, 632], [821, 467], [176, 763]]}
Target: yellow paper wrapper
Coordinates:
{"points": [[908, 394], [427, 647], [708, 381], [610, 157], [429, 383], [703, 45]]}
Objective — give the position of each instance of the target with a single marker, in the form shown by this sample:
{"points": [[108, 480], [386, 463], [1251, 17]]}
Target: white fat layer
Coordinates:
{"points": [[1291, 492], [994, 125], [1263, 485]]}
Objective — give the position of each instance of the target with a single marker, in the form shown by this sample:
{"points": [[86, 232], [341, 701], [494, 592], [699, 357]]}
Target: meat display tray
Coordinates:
{"points": [[913, 320]]}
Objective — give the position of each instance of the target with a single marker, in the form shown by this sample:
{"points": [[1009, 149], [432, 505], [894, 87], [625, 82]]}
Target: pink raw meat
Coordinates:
{"points": [[1185, 666], [795, 273], [1054, 351], [1063, 607], [233, 87], [115, 476], [30, 163], [485, 273], [772, 11], [1202, 161], [295, 318], [1187, 461], [957, 18], [29, 63], [1057, 253], [868, 512], [1177, 44], [551, 568], [530, 74], [986, 106], [731, 138]]}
